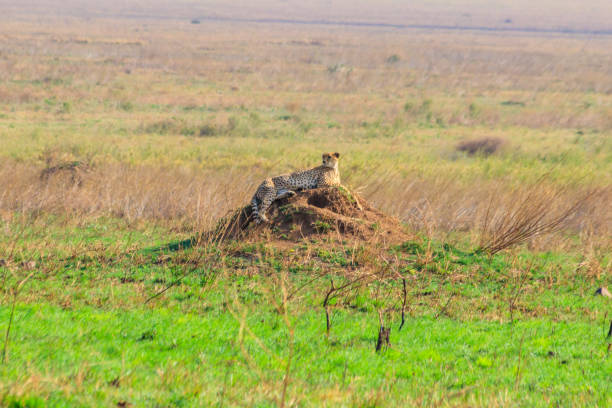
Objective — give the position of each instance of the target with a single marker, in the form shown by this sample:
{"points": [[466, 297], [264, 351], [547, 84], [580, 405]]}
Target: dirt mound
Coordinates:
{"points": [[321, 211]]}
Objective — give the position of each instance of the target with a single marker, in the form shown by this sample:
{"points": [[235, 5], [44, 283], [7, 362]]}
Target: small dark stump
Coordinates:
{"points": [[383, 338]]}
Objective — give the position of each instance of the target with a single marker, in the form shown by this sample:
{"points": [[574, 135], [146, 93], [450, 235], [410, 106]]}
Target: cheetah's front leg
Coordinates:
{"points": [[268, 199], [284, 193], [266, 202]]}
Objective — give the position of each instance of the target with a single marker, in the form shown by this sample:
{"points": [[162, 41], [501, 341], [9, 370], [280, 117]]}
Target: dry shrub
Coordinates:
{"points": [[533, 211], [208, 130], [433, 205], [163, 127], [485, 146]]}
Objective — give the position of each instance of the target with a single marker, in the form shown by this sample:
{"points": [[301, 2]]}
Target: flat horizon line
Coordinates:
{"points": [[602, 32]]}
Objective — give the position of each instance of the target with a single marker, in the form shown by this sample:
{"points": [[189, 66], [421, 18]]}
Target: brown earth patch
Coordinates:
{"points": [[323, 211]]}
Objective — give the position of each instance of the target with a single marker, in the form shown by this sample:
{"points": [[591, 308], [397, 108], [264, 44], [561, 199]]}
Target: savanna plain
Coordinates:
{"points": [[125, 141]]}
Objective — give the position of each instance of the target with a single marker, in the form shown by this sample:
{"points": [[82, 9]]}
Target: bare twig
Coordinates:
{"points": [[8, 329], [405, 293], [331, 290]]}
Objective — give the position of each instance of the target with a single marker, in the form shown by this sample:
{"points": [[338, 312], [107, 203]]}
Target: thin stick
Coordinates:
{"points": [[325, 304], [513, 299], [8, 329], [403, 303]]}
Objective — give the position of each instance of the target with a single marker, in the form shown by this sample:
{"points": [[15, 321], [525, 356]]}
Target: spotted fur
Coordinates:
{"points": [[285, 185]]}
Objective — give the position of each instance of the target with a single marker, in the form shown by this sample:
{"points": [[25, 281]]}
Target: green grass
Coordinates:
{"points": [[169, 358], [83, 334], [408, 150]]}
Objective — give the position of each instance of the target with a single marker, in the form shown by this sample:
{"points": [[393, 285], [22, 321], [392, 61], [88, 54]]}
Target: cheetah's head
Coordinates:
{"points": [[331, 160]]}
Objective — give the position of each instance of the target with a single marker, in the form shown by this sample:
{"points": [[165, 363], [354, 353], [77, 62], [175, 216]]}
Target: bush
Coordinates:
{"points": [[162, 127], [126, 106], [393, 59], [512, 103], [474, 110], [23, 402], [65, 108], [187, 131], [208, 130], [485, 146], [339, 68]]}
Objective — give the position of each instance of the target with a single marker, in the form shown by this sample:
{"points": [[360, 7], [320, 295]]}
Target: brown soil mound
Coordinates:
{"points": [[315, 212]]}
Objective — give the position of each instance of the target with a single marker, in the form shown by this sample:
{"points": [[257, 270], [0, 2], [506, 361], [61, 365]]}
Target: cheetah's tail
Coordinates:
{"points": [[255, 211]]}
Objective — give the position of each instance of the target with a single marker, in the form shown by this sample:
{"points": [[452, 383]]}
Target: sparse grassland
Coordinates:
{"points": [[121, 136]]}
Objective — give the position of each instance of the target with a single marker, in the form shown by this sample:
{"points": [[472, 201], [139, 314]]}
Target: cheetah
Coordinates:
{"points": [[282, 186]]}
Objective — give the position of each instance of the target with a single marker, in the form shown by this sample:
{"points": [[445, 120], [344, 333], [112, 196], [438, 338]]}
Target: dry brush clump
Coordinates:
{"points": [[485, 146], [533, 211]]}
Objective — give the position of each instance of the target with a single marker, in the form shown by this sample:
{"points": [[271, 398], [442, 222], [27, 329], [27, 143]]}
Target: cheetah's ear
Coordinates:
{"points": [[336, 155]]}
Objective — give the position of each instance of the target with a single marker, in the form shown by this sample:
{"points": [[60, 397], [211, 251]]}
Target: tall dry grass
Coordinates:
{"points": [[128, 192], [197, 199]]}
